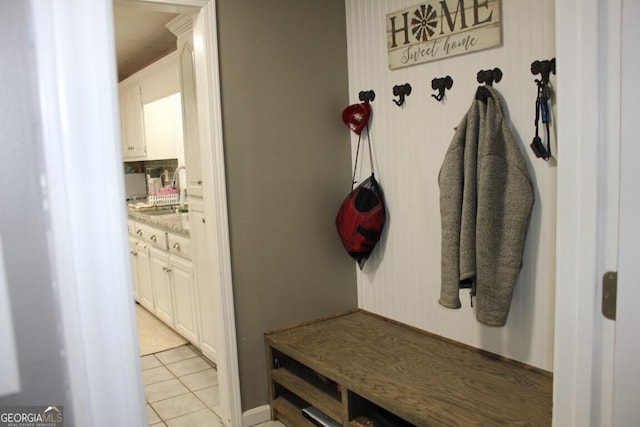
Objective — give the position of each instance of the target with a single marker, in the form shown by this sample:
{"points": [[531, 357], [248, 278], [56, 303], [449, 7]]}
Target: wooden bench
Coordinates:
{"points": [[355, 365]]}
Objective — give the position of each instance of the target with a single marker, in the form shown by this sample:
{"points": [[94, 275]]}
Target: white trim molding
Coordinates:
{"points": [[215, 206], [588, 94], [258, 415]]}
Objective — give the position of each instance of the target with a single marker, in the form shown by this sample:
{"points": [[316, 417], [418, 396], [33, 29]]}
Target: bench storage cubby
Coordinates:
{"points": [[360, 369]]}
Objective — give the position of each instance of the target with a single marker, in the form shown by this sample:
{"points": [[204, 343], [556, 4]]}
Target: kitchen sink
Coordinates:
{"points": [[165, 211]]}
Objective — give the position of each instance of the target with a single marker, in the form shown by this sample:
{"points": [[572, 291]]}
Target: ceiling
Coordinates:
{"points": [[141, 38]]}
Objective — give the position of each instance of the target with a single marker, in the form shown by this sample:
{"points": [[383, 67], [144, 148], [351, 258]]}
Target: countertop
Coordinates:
{"points": [[172, 222]]}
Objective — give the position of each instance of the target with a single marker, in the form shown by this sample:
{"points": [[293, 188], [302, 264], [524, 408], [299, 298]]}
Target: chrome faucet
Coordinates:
{"points": [[175, 182]]}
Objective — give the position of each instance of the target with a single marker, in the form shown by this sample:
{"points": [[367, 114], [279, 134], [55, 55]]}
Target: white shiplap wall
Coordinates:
{"points": [[402, 278]]}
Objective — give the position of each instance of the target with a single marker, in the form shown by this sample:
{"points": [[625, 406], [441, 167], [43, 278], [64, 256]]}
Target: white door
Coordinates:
{"points": [[626, 379]]}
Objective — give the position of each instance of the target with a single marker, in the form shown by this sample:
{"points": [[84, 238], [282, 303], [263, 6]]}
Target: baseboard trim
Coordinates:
{"points": [[256, 415]]}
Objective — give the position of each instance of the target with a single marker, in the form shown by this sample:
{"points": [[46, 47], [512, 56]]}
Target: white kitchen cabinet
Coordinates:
{"points": [[134, 269], [151, 112], [161, 280], [164, 277], [132, 120], [186, 316], [179, 245], [205, 281], [142, 275], [182, 27], [151, 235], [163, 128]]}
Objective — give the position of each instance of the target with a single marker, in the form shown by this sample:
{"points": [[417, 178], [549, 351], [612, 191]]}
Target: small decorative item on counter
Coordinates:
{"points": [[184, 215], [153, 185]]}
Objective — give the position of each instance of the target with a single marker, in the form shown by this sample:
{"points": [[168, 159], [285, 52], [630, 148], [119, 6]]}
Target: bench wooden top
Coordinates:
{"points": [[420, 377]]}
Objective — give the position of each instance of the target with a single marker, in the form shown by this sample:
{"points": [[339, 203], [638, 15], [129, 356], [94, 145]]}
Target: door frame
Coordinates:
{"points": [[81, 123], [214, 190], [215, 206], [626, 378], [588, 39]]}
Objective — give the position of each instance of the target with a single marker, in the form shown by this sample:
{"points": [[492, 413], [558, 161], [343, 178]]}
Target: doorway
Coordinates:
{"points": [[94, 345], [214, 192]]}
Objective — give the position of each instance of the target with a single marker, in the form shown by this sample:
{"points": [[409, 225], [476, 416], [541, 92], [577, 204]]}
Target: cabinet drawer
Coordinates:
{"points": [[196, 203], [151, 235], [131, 227], [179, 245]]}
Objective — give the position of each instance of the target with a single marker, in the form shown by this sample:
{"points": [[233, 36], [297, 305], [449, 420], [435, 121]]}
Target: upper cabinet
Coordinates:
{"points": [[182, 27], [163, 128], [151, 112], [132, 120]]}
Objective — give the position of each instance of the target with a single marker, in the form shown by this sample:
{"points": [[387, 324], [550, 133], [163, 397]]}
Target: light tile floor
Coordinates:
{"points": [[180, 385], [181, 389], [153, 335]]}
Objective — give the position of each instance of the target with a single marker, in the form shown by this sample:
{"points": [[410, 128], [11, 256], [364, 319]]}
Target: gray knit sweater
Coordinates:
{"points": [[486, 196]]}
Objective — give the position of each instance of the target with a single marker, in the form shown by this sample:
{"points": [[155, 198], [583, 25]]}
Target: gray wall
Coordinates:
{"points": [[23, 223], [284, 84]]}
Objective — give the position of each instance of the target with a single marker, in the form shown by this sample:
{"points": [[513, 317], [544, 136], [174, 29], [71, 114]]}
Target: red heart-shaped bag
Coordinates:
{"points": [[356, 116]]}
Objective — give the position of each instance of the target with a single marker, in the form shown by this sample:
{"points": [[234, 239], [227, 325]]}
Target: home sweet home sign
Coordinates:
{"points": [[440, 29]]}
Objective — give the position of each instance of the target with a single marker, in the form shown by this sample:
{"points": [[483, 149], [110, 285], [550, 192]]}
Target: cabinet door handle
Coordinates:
{"points": [[167, 269], [176, 246], [139, 232], [199, 182], [154, 238]]}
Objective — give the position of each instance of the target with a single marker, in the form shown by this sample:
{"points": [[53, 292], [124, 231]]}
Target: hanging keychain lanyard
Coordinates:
{"points": [[542, 111]]}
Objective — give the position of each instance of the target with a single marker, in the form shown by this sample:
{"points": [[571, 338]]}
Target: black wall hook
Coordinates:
{"points": [[489, 76], [440, 85], [401, 91], [544, 68], [367, 95]]}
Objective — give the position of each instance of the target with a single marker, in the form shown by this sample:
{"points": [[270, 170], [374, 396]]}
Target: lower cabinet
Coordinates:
{"points": [[134, 269], [164, 279], [186, 319], [140, 263], [162, 292]]}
